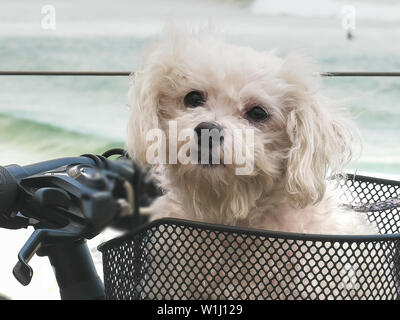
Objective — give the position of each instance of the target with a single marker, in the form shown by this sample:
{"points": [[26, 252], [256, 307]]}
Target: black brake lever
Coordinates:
{"points": [[22, 271]]}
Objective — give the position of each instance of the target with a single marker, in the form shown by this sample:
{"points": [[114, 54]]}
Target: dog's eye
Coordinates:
{"points": [[194, 99], [257, 114]]}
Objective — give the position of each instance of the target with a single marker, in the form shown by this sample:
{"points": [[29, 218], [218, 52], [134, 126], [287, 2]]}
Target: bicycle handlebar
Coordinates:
{"points": [[10, 174], [69, 199]]}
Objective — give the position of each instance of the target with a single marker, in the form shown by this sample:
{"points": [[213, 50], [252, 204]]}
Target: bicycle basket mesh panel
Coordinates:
{"points": [[177, 259]]}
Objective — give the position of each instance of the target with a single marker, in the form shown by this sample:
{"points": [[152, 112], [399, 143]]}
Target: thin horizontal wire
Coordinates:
{"points": [[65, 73], [126, 73], [360, 74]]}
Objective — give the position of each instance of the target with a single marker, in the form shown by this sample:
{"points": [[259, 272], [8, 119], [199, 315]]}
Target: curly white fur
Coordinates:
{"points": [[306, 137]]}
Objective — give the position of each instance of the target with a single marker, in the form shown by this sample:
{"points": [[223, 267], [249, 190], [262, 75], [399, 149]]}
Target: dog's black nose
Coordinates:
{"points": [[212, 130], [209, 148]]}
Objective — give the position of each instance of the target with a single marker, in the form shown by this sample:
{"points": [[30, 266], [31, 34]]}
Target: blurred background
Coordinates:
{"points": [[47, 117]]}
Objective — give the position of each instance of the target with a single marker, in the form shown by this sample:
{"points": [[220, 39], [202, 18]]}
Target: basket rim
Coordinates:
{"points": [[249, 231], [263, 232], [362, 178]]}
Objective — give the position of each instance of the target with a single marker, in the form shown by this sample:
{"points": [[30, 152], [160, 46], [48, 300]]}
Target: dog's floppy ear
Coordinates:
{"points": [[143, 117], [321, 137], [146, 86]]}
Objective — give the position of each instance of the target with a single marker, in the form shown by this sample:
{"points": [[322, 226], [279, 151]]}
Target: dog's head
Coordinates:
{"points": [[264, 114]]}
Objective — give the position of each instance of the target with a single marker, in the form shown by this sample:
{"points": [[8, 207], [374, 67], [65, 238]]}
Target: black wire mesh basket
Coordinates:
{"points": [[179, 259]]}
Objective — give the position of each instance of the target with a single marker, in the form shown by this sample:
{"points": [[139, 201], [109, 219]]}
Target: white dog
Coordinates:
{"points": [[203, 83]]}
